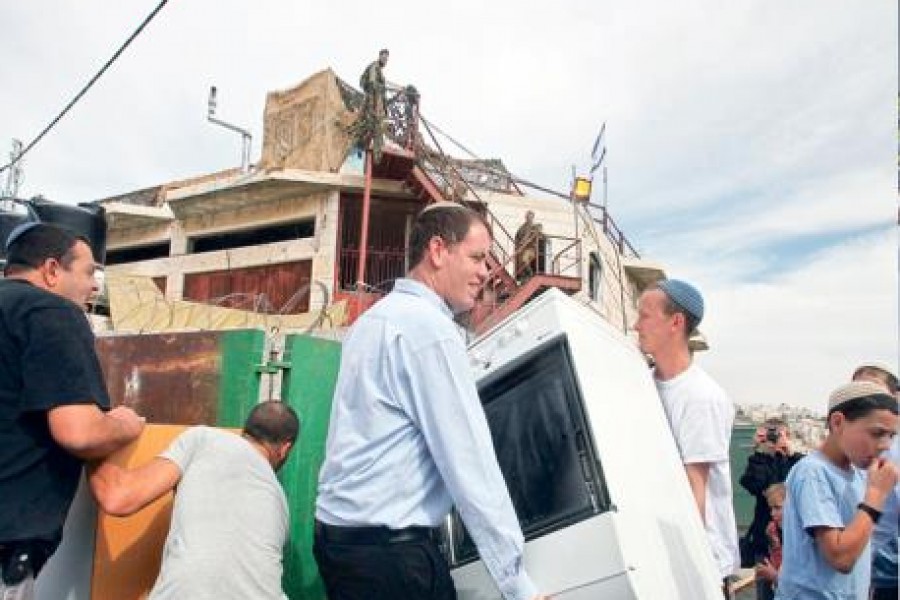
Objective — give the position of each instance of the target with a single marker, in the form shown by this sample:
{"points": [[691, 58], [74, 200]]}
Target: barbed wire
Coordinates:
{"points": [[161, 308]]}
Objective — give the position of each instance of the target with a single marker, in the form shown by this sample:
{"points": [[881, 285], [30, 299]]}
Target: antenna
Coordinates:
{"points": [[246, 137], [598, 159]]}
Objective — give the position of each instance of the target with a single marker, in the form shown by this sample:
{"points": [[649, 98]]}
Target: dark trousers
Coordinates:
{"points": [[884, 593], [764, 590], [369, 566]]}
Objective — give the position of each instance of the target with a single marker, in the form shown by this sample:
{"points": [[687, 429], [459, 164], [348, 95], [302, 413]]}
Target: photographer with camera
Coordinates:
{"points": [[770, 463]]}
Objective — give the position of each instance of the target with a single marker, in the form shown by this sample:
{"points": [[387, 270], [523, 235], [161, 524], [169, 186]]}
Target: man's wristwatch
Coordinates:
{"points": [[873, 513]]}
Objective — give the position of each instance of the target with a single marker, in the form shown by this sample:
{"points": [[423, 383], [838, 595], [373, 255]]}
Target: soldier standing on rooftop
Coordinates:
{"points": [[373, 84], [369, 127]]}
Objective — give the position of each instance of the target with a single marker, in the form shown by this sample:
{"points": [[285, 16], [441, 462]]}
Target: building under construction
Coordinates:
{"points": [[316, 230], [213, 283]]}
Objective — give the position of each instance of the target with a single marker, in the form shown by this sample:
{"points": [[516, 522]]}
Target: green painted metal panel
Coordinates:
{"points": [[241, 354], [308, 387]]}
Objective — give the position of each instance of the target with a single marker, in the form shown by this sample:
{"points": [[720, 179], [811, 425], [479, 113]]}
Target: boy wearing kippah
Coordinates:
{"points": [[832, 504], [699, 411]]}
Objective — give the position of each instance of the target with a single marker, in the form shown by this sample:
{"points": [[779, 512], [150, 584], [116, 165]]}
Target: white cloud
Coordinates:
{"points": [[839, 202], [799, 336], [732, 127]]}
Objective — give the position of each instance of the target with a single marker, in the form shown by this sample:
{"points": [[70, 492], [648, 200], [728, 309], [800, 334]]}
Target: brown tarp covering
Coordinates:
{"points": [[305, 126]]}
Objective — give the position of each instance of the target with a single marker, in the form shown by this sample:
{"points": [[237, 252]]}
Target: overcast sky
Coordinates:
{"points": [[752, 144]]}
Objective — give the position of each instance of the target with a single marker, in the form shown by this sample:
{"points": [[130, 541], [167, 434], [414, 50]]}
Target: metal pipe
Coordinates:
{"points": [[364, 227], [246, 137]]}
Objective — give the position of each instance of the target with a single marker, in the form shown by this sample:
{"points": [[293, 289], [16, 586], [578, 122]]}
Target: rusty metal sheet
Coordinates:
{"points": [[171, 378]]}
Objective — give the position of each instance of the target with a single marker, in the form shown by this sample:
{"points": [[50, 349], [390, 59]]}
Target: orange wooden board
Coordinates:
{"points": [[128, 550]]}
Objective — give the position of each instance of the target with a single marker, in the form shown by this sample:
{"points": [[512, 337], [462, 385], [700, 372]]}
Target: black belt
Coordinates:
{"points": [[376, 536], [18, 560]]}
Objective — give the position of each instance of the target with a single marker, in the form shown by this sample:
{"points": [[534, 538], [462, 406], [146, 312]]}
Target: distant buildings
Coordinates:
{"points": [[807, 431], [807, 428]]}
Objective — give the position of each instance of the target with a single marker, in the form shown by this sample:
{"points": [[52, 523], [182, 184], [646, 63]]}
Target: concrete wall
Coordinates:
{"points": [[322, 206], [615, 299]]}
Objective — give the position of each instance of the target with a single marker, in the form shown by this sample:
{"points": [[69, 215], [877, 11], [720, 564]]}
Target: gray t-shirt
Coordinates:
{"points": [[229, 522]]}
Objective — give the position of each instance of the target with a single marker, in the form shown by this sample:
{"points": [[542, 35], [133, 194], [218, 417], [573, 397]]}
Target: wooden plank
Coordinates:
{"points": [[128, 553]]}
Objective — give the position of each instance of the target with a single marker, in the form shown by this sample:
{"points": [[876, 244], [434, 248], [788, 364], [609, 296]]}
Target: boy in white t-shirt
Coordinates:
{"points": [[699, 411]]}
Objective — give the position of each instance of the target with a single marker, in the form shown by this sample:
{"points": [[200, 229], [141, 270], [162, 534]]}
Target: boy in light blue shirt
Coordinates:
{"points": [[831, 506]]}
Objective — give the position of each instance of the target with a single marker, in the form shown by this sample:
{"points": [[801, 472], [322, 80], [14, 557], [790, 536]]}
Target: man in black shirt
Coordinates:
{"points": [[54, 406]]}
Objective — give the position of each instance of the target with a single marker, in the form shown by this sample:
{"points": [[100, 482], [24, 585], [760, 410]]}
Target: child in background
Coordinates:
{"points": [[767, 569], [831, 507]]}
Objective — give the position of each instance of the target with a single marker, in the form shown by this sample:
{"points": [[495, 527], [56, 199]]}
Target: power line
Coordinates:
{"points": [[88, 85]]}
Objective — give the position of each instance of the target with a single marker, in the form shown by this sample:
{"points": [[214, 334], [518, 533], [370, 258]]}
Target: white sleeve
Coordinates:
{"points": [[704, 428]]}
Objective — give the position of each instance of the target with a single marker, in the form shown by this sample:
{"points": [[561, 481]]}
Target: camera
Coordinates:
{"points": [[772, 434]]}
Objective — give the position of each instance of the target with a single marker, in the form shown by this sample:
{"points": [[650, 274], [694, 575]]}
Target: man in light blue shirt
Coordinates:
{"points": [[884, 537], [408, 437]]}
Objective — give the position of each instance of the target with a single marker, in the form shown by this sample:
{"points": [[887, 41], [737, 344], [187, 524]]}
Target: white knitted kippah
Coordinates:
{"points": [[443, 205], [854, 390]]}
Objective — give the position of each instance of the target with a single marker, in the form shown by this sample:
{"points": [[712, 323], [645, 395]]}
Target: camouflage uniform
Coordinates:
{"points": [[528, 241], [370, 124], [373, 84]]}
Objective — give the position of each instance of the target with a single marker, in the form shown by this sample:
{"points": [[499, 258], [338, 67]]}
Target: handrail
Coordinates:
{"points": [[613, 233], [555, 263]]}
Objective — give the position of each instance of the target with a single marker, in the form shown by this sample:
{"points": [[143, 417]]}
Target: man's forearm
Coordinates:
{"points": [[105, 480], [108, 435], [89, 433], [123, 491]]}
